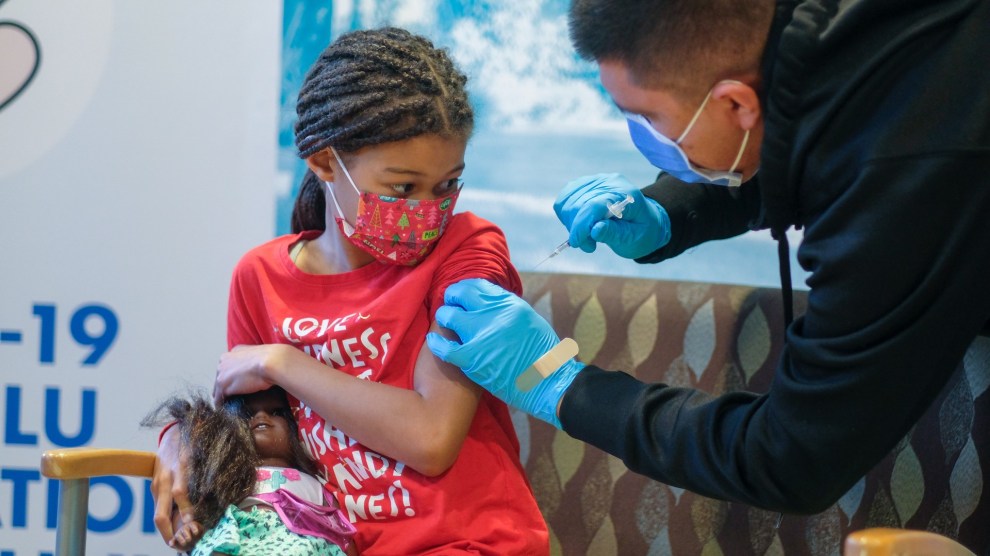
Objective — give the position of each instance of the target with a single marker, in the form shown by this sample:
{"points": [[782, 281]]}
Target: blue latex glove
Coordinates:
{"points": [[500, 337], [582, 207]]}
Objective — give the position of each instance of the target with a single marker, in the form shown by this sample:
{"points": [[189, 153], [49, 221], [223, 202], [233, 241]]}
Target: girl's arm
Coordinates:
{"points": [[173, 511], [423, 427]]}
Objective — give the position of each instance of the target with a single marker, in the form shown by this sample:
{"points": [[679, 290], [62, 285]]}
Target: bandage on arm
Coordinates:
{"points": [[547, 364]]}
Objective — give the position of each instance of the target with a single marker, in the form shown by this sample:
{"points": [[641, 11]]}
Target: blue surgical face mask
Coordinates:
{"points": [[668, 156]]}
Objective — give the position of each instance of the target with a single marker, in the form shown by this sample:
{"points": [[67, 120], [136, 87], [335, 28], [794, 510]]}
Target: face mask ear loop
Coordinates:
{"points": [[348, 229], [702, 107], [741, 149], [697, 113], [344, 168]]}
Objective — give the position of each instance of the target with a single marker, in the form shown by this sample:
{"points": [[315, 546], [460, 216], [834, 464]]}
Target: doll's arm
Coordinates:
{"points": [[187, 536]]}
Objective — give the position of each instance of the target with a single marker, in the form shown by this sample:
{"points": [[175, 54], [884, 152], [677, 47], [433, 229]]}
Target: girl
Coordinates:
{"points": [[423, 460], [250, 480]]}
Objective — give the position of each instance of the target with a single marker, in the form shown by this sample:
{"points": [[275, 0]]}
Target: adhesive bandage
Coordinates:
{"points": [[546, 364]]}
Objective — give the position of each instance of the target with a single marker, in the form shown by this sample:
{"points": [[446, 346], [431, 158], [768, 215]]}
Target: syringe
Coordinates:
{"points": [[616, 210]]}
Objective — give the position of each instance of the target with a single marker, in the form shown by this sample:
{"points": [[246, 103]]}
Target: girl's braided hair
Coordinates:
{"points": [[371, 87]]}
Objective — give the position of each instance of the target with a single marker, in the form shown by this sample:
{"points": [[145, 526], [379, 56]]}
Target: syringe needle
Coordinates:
{"points": [[615, 208], [557, 251]]}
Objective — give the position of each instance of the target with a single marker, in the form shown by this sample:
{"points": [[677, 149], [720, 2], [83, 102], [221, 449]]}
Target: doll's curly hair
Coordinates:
{"points": [[221, 451]]}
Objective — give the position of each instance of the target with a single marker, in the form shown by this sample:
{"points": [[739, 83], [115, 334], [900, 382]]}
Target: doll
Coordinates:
{"points": [[253, 486]]}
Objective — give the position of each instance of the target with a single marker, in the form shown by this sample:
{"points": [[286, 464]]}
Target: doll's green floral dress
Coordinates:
{"points": [[290, 513]]}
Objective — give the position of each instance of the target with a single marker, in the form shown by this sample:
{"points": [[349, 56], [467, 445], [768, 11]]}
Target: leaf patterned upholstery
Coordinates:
{"points": [[720, 338]]}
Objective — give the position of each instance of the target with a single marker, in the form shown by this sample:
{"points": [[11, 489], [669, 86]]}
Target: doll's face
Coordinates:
{"points": [[268, 415]]}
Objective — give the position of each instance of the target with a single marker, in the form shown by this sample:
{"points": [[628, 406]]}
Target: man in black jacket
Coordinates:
{"points": [[866, 123]]}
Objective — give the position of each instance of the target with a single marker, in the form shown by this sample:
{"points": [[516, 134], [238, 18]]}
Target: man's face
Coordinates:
{"points": [[714, 140]]}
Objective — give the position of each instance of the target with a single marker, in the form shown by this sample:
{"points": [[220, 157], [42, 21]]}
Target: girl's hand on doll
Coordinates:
{"points": [[249, 369], [168, 485]]}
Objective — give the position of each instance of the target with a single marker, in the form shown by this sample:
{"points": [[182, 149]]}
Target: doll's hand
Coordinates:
{"points": [[187, 536], [168, 486], [248, 369]]}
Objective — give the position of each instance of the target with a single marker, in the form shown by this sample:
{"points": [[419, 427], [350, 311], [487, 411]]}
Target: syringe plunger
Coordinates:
{"points": [[617, 208]]}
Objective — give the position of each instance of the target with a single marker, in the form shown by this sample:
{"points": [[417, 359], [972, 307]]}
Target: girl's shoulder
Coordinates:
{"points": [[273, 248], [467, 224], [471, 247], [272, 254], [469, 235]]}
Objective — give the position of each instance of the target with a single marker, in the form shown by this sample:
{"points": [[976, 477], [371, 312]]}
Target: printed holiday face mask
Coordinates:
{"points": [[391, 229]]}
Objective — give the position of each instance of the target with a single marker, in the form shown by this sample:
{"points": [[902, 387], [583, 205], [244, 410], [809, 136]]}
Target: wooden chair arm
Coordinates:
{"points": [[80, 463], [882, 541]]}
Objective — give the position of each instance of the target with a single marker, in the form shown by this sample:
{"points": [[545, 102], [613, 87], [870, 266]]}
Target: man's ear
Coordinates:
{"points": [[319, 163], [742, 100]]}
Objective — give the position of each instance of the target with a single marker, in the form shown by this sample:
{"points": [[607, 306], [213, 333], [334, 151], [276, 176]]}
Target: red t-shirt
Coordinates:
{"points": [[356, 322]]}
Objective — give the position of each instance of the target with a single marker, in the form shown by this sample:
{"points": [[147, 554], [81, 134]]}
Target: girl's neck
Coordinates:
{"points": [[331, 253]]}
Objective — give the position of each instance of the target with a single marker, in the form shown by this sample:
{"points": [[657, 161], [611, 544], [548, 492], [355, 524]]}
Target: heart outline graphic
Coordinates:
{"points": [[37, 60]]}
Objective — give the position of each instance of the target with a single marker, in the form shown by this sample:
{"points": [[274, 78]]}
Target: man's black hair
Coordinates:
{"points": [[682, 45]]}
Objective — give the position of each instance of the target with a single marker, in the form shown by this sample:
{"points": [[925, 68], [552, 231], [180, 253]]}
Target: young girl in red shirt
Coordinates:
{"points": [[425, 462]]}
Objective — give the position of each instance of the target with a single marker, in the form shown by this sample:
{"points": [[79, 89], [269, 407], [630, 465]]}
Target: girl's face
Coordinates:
{"points": [[423, 167], [268, 417]]}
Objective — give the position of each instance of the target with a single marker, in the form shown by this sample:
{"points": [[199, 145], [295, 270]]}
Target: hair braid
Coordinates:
{"points": [[371, 87], [378, 86], [308, 212]]}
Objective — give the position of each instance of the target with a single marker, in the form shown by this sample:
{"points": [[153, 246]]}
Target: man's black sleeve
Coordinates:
{"points": [[900, 263], [702, 212]]}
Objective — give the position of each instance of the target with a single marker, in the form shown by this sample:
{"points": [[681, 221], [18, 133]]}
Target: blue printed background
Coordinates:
{"points": [[542, 119]]}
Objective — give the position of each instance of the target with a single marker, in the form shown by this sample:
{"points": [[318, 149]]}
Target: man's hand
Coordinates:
{"points": [[500, 337], [582, 207]]}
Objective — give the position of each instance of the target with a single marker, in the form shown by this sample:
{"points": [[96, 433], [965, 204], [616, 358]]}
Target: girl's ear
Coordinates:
{"points": [[319, 163]]}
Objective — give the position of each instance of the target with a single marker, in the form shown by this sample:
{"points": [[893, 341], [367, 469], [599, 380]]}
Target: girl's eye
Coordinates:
{"points": [[402, 188], [282, 412], [451, 185]]}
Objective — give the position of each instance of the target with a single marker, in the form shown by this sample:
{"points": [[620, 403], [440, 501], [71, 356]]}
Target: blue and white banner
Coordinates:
{"points": [[137, 161]]}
